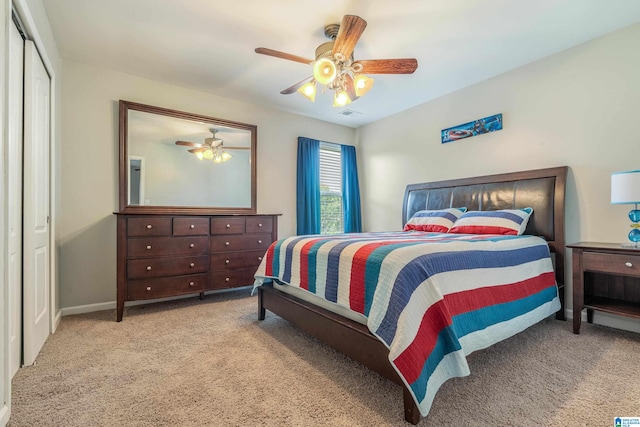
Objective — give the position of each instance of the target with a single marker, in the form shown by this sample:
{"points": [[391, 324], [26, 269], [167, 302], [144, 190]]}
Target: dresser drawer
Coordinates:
{"points": [[259, 224], [145, 247], [627, 265], [149, 226], [166, 286], [233, 260], [227, 225], [190, 226], [232, 278], [239, 243], [157, 267]]}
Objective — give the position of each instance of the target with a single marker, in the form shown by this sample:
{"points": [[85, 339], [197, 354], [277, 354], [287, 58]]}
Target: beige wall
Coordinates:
{"points": [[89, 177], [579, 108]]}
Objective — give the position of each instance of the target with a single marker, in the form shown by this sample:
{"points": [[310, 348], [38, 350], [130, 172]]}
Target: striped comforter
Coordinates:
{"points": [[431, 298]]}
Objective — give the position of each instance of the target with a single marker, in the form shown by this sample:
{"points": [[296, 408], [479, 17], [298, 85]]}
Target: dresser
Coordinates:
{"points": [[170, 255]]}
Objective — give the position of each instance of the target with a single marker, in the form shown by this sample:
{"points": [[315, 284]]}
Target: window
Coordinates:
{"points": [[331, 213]]}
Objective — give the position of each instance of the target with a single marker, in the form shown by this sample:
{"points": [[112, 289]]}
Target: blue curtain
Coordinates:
{"points": [[308, 186], [350, 190]]}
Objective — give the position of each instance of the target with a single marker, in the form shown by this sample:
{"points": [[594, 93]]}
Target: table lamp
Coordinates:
{"points": [[625, 189]]}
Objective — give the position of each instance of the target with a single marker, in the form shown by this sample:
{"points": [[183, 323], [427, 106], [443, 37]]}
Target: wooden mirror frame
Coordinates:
{"points": [[124, 108]]}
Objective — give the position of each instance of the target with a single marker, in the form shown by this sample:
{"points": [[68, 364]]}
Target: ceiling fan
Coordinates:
{"points": [[211, 148], [334, 65]]}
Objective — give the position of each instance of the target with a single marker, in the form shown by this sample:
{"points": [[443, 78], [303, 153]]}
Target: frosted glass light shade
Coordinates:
{"points": [[362, 84], [309, 90], [324, 71], [625, 187]]}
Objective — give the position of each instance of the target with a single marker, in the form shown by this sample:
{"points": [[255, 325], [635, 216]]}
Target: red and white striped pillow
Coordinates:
{"points": [[438, 221], [505, 221]]}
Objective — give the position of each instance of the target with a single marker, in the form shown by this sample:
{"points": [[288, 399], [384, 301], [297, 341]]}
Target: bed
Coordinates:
{"points": [[404, 330]]}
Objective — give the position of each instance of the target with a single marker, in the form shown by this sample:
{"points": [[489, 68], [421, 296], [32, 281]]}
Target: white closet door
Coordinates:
{"points": [[36, 279], [14, 198]]}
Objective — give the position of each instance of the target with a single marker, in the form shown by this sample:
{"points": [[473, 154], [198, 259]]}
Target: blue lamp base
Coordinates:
{"points": [[634, 234]]}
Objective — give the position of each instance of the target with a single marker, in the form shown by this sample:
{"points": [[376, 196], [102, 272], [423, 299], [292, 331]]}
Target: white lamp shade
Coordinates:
{"points": [[625, 187]]}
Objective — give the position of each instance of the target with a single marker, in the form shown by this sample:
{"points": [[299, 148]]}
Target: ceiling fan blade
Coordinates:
{"points": [[196, 150], [296, 86], [283, 55], [350, 88], [389, 66], [349, 33], [188, 144]]}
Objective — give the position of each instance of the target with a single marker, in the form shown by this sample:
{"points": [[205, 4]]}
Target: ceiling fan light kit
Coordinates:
{"points": [[335, 68], [211, 149]]}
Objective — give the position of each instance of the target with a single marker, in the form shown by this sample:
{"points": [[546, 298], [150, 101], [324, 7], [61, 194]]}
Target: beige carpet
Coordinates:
{"points": [[211, 363]]}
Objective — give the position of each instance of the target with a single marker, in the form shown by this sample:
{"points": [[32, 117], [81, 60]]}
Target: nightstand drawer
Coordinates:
{"points": [[627, 265]]}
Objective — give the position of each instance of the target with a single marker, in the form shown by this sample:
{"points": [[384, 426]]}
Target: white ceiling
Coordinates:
{"points": [[209, 44]]}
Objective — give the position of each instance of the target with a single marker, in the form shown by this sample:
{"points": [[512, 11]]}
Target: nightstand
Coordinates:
{"points": [[606, 277]]}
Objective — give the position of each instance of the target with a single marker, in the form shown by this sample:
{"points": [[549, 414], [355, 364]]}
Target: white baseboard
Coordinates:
{"points": [[609, 320], [4, 415], [88, 308]]}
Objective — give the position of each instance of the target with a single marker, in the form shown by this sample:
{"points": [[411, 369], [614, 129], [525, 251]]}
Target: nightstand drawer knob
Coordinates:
{"points": [[148, 247], [628, 264], [226, 261], [148, 268], [149, 226], [259, 225], [192, 226], [192, 265], [192, 283], [228, 225], [226, 279], [192, 245], [226, 243], [259, 242], [148, 288]]}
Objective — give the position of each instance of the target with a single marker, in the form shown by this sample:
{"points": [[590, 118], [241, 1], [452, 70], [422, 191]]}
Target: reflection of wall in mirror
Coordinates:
{"points": [[175, 177]]}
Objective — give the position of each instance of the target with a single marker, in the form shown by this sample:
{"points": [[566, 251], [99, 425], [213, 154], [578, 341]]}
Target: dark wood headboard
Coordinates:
{"points": [[541, 189]]}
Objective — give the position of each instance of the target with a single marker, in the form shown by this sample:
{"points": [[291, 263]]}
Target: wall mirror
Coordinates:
{"points": [[177, 162]]}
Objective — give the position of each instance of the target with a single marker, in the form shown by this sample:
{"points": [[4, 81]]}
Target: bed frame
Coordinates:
{"points": [[542, 189]]}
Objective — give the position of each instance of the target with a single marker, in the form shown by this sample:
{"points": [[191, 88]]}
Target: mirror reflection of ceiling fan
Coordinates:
{"points": [[335, 68], [211, 149]]}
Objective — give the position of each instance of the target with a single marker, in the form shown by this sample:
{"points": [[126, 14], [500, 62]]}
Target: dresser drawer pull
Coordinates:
{"points": [[628, 264], [149, 226], [228, 225], [226, 279], [226, 261], [192, 245], [259, 242], [192, 226], [192, 283], [260, 225], [148, 288], [148, 268], [148, 247], [259, 258], [192, 265], [226, 243]]}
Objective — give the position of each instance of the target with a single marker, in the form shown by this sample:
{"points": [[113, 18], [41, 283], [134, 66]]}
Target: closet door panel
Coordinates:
{"points": [[36, 277], [14, 197]]}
